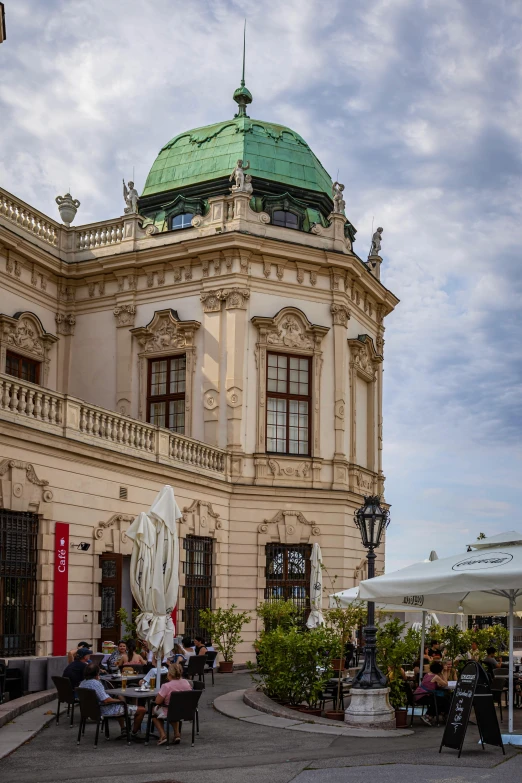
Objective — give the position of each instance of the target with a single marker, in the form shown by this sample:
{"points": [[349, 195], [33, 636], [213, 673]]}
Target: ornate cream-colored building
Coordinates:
{"points": [[225, 340]]}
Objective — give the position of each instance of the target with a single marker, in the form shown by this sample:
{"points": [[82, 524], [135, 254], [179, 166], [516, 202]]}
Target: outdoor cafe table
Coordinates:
{"points": [[115, 678], [136, 693]]}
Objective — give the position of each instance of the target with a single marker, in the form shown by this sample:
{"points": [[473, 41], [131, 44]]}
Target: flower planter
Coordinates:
{"points": [[401, 718], [334, 714], [338, 664], [226, 667]]}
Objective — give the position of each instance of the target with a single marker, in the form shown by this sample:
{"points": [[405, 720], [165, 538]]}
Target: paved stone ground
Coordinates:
{"points": [[231, 751]]}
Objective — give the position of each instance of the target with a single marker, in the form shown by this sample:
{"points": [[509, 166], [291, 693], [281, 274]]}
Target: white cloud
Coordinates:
{"points": [[419, 105]]}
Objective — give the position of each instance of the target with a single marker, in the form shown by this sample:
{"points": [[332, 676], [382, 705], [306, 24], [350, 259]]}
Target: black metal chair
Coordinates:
{"points": [[90, 709], [329, 693], [411, 703], [196, 667], [183, 706], [210, 657], [66, 695], [499, 686], [197, 686]]}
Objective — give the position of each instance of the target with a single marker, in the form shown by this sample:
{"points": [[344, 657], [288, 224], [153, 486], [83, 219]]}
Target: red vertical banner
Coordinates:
{"points": [[61, 588]]}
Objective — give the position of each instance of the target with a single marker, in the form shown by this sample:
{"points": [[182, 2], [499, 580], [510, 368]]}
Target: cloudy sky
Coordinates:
{"points": [[417, 103]]}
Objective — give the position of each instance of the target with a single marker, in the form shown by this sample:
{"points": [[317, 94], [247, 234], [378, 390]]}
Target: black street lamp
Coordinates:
{"points": [[372, 520]]}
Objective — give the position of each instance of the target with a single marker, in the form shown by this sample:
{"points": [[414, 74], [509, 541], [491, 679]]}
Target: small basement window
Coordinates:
{"points": [[182, 221]]}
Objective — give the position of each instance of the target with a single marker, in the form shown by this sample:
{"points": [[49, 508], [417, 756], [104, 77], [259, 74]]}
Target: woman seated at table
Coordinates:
{"points": [[187, 646], [175, 682], [432, 692], [200, 646], [131, 657], [177, 655], [116, 659]]}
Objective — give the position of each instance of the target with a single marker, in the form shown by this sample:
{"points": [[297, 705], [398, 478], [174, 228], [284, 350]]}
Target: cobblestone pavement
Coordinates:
{"points": [[230, 751]]}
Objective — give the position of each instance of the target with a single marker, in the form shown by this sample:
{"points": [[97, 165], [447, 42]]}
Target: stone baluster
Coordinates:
{"points": [[45, 407]]}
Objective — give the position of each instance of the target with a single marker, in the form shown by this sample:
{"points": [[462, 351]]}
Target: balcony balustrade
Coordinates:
{"points": [[32, 406]]}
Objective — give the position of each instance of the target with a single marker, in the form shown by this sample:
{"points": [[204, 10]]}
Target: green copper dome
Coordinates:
{"points": [[275, 152]]}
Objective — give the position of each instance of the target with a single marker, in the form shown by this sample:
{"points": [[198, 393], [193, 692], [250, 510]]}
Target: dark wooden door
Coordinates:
{"points": [[111, 566]]}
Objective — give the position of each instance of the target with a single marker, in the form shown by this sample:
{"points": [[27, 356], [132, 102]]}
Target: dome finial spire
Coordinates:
{"points": [[242, 95]]}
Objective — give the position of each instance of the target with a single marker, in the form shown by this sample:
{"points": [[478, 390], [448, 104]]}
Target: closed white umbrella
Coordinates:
{"points": [[487, 579], [315, 618], [155, 570]]}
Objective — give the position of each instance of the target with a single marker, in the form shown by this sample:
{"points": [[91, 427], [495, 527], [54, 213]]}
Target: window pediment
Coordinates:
{"points": [[364, 357], [23, 333], [290, 329], [165, 332]]}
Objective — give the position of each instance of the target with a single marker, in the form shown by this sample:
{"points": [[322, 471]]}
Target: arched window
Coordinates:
{"points": [[182, 221], [281, 217]]}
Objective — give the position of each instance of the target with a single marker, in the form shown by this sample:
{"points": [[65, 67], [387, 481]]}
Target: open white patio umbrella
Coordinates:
{"points": [[155, 570], [315, 618], [485, 580]]}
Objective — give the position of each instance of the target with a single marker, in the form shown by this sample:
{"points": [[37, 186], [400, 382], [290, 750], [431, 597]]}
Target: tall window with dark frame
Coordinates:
{"points": [[166, 392], [197, 591], [18, 561], [289, 404], [21, 367], [288, 575]]}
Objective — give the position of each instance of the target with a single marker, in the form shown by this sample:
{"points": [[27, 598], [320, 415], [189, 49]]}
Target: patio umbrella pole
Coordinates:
{"points": [[423, 642], [511, 665]]}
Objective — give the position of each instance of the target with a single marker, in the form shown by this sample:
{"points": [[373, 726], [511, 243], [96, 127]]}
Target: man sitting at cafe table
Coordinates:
{"points": [[71, 655], [75, 671], [110, 706], [491, 662]]}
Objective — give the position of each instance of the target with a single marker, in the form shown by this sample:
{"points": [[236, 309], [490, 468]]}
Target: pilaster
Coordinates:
{"points": [[340, 316], [124, 313]]}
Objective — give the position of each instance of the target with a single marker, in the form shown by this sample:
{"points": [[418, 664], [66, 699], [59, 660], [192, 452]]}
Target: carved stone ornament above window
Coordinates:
{"points": [[200, 519], [291, 330], [111, 535], [21, 489], [363, 356], [165, 332], [288, 527], [24, 334]]}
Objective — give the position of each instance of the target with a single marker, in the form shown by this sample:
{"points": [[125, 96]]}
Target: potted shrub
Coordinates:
{"points": [[224, 626]]}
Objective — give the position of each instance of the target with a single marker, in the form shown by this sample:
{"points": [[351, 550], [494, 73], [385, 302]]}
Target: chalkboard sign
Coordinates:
{"points": [[472, 691]]}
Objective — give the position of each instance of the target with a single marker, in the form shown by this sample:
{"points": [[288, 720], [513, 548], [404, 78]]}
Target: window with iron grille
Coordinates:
{"points": [[198, 582], [166, 392], [288, 575], [18, 560], [288, 404], [21, 367]]}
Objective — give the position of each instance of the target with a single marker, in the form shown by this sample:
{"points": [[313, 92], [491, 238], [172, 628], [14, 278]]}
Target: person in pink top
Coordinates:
{"points": [[175, 683], [433, 688]]}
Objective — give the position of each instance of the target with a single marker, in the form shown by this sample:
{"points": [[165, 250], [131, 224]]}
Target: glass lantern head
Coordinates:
{"points": [[372, 520]]}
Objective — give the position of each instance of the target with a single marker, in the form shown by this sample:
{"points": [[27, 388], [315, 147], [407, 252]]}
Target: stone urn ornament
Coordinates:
{"points": [[67, 207]]}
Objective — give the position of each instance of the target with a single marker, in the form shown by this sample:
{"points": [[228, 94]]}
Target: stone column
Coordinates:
{"points": [[65, 323], [340, 316], [210, 365], [124, 314], [236, 331]]}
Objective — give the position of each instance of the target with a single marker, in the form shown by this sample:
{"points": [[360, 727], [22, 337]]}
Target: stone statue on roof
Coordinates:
{"points": [[130, 194], [238, 175], [337, 196], [375, 249]]}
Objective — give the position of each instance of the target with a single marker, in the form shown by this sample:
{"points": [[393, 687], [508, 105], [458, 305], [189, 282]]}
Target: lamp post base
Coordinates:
{"points": [[370, 709]]}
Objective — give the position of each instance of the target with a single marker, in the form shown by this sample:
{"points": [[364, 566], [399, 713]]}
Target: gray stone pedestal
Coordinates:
{"points": [[370, 709]]}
